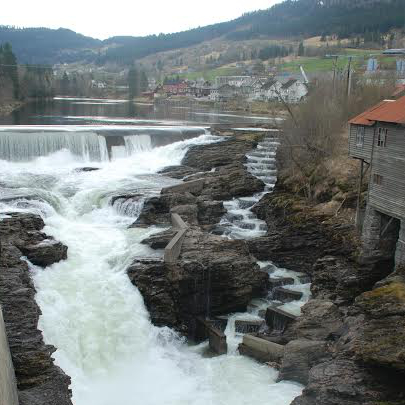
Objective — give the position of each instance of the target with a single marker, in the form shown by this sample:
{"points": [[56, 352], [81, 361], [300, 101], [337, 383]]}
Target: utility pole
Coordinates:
{"points": [[334, 73], [349, 77]]}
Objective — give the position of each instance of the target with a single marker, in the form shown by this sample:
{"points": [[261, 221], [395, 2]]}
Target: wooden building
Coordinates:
{"points": [[377, 139]]}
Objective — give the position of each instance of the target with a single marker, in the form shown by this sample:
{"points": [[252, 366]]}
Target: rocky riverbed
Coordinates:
{"points": [[39, 381], [346, 347]]}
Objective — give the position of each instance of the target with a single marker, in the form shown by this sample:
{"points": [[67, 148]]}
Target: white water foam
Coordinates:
{"points": [[93, 314]]}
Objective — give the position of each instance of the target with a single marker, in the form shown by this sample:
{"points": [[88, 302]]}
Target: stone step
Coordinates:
{"points": [[263, 173], [279, 282], [248, 326], [268, 179], [269, 144], [233, 217], [245, 225], [245, 203], [262, 154], [237, 233], [263, 160], [205, 328], [304, 279], [261, 166], [277, 319], [266, 148], [286, 295], [261, 349]]}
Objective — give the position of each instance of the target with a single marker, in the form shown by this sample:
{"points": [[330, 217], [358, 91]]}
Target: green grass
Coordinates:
{"points": [[319, 64]]}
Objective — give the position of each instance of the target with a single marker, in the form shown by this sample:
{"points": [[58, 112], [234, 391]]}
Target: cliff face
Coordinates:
{"points": [[39, 381]]}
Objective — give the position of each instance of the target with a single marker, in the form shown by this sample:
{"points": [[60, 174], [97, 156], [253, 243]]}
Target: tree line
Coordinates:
{"points": [[18, 82]]}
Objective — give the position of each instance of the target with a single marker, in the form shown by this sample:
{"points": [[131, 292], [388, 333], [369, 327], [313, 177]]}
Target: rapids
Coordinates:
{"points": [[90, 311]]}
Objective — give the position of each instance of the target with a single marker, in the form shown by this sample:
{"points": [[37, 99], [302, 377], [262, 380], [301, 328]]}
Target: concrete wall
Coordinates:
{"points": [[381, 237], [8, 388], [400, 251], [173, 249]]}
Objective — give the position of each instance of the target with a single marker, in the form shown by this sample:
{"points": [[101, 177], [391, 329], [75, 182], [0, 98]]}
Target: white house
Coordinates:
{"points": [[293, 91], [268, 91]]}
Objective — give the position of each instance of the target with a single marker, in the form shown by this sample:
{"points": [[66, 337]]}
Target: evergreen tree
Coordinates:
{"points": [[301, 49], [144, 83], [134, 82], [65, 84], [9, 68]]}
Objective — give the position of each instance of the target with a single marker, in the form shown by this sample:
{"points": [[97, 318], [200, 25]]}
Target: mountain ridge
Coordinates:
{"points": [[291, 18]]}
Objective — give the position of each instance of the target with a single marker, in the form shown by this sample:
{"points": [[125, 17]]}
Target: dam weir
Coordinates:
{"points": [[92, 143]]}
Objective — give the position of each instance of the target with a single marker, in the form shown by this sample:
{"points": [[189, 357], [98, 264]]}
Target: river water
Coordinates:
{"points": [[91, 312]]}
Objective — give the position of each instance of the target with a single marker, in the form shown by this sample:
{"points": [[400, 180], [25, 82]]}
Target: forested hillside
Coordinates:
{"points": [[48, 46], [291, 18]]}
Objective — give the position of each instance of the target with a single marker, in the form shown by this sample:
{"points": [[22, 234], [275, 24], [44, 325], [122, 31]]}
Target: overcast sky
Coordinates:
{"points": [[102, 19]]}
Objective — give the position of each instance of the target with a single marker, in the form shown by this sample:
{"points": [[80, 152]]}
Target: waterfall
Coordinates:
{"points": [[129, 207], [138, 143], [25, 146]]}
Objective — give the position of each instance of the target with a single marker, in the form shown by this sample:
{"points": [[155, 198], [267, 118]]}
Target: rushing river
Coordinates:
{"points": [[91, 312]]}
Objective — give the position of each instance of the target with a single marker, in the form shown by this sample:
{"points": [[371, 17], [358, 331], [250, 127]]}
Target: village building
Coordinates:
{"points": [[293, 91], [268, 91], [236, 81], [377, 139], [224, 93]]}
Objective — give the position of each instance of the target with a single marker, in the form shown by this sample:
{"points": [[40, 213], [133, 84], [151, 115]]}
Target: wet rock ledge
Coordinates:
{"points": [[39, 381]]}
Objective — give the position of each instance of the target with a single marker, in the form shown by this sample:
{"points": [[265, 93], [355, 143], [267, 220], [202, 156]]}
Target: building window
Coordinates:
{"points": [[378, 179], [382, 137], [360, 136]]}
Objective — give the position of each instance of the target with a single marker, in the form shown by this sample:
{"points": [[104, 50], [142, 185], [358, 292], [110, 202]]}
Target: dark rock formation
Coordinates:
{"points": [[297, 236], [39, 381], [346, 346], [299, 357], [203, 205], [213, 276]]}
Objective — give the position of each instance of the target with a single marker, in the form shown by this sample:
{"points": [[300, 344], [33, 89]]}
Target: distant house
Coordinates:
{"points": [[175, 89], [223, 93], [269, 91], [236, 81], [377, 139], [200, 88], [293, 91]]}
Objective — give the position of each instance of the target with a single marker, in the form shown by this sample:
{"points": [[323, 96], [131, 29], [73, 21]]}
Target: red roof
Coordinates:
{"points": [[392, 111]]}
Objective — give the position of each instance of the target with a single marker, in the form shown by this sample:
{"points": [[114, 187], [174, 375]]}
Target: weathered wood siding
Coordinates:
{"points": [[361, 152], [389, 162]]}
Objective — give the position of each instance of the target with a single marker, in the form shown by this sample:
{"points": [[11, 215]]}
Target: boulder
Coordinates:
{"points": [[299, 357], [45, 253]]}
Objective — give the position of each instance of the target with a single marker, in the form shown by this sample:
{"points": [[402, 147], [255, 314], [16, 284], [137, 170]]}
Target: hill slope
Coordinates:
{"points": [[291, 18]]}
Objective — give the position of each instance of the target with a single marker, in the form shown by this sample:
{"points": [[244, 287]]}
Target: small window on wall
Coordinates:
{"points": [[382, 137], [360, 136], [378, 179]]}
